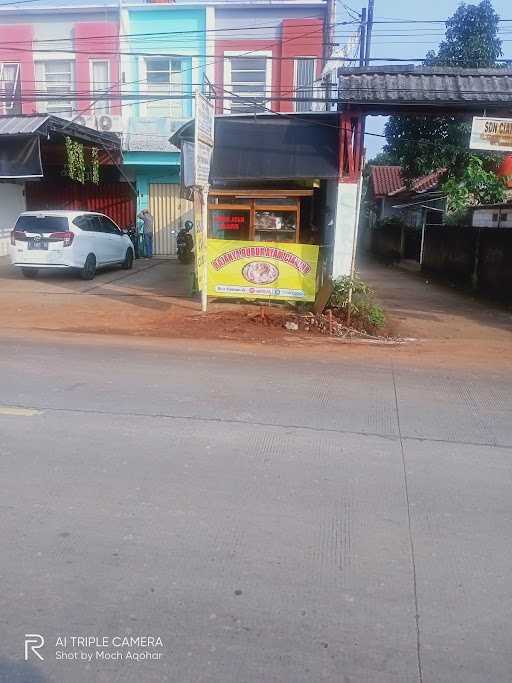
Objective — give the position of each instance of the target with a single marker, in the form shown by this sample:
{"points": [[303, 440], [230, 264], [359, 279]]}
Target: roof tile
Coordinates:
{"points": [[424, 85], [388, 180]]}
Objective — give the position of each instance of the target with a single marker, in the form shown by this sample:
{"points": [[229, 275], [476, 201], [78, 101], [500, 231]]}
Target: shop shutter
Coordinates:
{"points": [[115, 200], [169, 213]]}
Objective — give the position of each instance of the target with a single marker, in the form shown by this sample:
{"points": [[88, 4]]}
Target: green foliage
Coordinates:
{"points": [[341, 288], [423, 144], [471, 38], [428, 143], [95, 166], [76, 167], [477, 185], [362, 306], [376, 316], [391, 222], [384, 158]]}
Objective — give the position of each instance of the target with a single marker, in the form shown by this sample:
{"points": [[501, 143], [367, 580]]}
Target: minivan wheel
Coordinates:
{"points": [[128, 260], [89, 269], [30, 272]]}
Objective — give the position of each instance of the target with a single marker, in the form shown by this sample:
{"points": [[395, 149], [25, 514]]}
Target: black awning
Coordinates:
{"points": [[268, 147], [20, 157], [271, 146]]}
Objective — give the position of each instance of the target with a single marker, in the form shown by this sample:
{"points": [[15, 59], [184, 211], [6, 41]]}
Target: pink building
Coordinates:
{"points": [[53, 59], [270, 52]]}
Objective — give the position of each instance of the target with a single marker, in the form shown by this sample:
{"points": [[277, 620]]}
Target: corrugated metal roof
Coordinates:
{"points": [[434, 86], [50, 124], [148, 134], [16, 125]]}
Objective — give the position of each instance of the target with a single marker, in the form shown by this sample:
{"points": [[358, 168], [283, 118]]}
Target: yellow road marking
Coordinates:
{"points": [[19, 412]]}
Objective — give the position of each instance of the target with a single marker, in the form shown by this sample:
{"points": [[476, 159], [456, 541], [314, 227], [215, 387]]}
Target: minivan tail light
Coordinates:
{"points": [[17, 235], [66, 237]]}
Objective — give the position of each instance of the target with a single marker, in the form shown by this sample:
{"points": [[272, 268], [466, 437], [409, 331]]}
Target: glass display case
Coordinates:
{"points": [[260, 216]]}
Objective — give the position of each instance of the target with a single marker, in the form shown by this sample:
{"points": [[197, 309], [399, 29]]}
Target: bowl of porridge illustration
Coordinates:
{"points": [[260, 272]]}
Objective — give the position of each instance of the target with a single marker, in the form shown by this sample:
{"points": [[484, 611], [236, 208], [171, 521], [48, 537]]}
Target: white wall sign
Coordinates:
{"points": [[204, 139], [491, 134], [187, 163], [205, 119], [202, 162], [203, 150]]}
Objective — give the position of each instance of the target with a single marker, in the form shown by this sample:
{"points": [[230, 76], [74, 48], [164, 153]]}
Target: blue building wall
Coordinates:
{"points": [[153, 174], [181, 39], [185, 38]]}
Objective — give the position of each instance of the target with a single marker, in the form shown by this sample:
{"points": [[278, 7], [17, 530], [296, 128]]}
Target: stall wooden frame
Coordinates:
{"points": [[253, 196]]}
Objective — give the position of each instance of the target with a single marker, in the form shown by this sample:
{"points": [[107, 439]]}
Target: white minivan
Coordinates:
{"points": [[80, 240]]}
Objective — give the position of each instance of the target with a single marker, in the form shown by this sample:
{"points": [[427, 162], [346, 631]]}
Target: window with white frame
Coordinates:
{"points": [[100, 85], [247, 77], [304, 82], [55, 78], [10, 88], [164, 76]]}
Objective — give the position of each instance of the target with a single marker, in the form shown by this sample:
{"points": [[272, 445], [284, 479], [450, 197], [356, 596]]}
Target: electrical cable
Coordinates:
{"points": [[223, 57], [164, 34]]}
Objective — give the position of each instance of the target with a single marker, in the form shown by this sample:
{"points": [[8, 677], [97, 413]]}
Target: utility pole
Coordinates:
{"points": [[369, 27], [362, 36], [329, 29], [329, 21]]}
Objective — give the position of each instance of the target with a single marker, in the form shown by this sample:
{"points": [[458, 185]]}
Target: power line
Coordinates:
{"points": [[221, 57], [192, 68], [22, 2], [419, 21], [44, 96], [252, 27], [165, 34], [234, 96]]}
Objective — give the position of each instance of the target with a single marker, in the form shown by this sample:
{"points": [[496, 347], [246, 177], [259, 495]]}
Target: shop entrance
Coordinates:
{"points": [[169, 211]]}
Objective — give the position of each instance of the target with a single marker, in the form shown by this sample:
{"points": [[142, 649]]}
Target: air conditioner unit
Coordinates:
{"points": [[109, 124]]}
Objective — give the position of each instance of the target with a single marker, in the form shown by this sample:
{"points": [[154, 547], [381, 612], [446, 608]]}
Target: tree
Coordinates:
{"points": [[384, 158], [471, 38], [424, 144], [476, 185]]}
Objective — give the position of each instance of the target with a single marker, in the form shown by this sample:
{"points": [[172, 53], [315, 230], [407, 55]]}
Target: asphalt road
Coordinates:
{"points": [[269, 518]]}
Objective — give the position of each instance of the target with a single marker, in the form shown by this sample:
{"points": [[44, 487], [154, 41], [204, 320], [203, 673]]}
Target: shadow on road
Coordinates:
{"points": [[420, 307], [20, 672]]}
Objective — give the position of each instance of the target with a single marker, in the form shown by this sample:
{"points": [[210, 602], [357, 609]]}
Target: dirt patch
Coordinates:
{"points": [[452, 330]]}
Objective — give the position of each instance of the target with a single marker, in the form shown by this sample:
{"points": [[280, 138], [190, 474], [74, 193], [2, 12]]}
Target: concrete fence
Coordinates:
{"points": [[450, 251], [386, 239], [480, 258], [495, 262]]}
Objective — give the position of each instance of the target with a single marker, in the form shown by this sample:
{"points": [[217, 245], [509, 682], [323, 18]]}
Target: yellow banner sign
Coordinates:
{"points": [[200, 240], [262, 270]]}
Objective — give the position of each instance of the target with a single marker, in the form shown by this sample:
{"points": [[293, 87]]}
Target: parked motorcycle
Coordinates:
{"points": [[133, 235], [185, 243]]}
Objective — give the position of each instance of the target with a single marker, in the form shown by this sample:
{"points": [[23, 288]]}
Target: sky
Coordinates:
{"points": [[415, 39], [405, 41]]}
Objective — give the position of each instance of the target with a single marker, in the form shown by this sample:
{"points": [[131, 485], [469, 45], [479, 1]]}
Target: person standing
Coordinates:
{"points": [[147, 220]]}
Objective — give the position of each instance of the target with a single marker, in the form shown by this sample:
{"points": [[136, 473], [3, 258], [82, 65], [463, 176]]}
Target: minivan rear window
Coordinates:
{"points": [[43, 223]]}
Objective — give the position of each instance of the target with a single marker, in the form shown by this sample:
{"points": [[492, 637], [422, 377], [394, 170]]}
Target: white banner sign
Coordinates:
{"points": [[205, 119], [202, 162], [203, 140], [491, 134]]}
